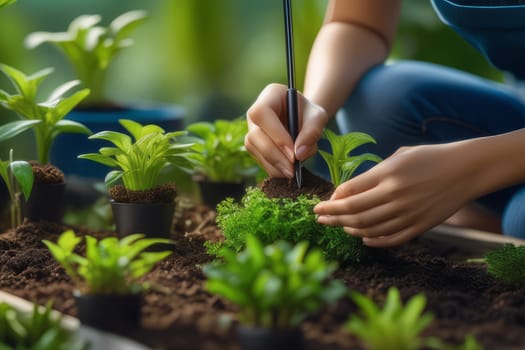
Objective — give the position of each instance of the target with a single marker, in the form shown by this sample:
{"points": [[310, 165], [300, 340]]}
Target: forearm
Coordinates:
{"points": [[495, 162], [355, 36]]}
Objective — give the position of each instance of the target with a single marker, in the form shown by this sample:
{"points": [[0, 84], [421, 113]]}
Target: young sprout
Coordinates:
{"points": [[49, 114], [506, 263], [16, 175], [220, 155], [38, 329], [284, 218], [110, 266], [141, 157], [91, 48], [340, 165], [275, 286]]}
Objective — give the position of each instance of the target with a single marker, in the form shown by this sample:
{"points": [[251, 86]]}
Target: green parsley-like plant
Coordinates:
{"points": [[506, 263], [18, 176], [141, 157], [110, 266], [394, 327], [291, 220], [340, 164], [36, 330], [91, 48], [275, 286], [220, 155], [50, 113]]}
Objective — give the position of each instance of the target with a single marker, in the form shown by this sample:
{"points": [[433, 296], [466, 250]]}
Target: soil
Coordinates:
{"points": [[164, 193], [46, 173], [179, 314]]}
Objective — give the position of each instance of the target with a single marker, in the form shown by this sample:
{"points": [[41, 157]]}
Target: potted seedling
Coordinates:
{"points": [[397, 326], [38, 329], [107, 277], [90, 48], [18, 178], [223, 166], [275, 288], [139, 202], [46, 196]]}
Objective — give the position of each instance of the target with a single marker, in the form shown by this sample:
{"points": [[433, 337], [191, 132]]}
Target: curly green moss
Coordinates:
{"points": [[507, 263], [285, 219]]}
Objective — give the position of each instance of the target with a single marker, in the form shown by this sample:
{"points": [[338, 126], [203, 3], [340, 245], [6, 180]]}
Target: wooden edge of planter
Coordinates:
{"points": [[99, 340], [469, 240]]}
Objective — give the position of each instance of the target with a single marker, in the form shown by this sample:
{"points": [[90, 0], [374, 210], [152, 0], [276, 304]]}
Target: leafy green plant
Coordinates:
{"points": [[49, 113], [340, 165], [506, 263], [36, 330], [90, 48], [6, 2], [110, 266], [220, 154], [275, 286], [291, 220], [142, 157], [394, 327], [16, 175], [397, 326]]}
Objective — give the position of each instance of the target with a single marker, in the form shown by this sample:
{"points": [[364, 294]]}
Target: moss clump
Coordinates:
{"points": [[275, 219], [507, 263]]}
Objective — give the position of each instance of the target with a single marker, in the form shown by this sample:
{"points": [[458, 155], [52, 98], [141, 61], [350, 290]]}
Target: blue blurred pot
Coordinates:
{"points": [[67, 147]]}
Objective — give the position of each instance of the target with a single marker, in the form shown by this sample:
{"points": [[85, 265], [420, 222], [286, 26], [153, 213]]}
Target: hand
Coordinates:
{"points": [[403, 196], [268, 138]]}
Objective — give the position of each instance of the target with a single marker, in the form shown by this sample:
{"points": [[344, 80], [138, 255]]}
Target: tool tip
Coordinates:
{"points": [[298, 174]]}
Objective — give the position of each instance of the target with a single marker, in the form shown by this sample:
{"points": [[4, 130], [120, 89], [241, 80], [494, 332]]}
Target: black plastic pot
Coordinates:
{"points": [[212, 193], [153, 220], [269, 339], [109, 312], [45, 202]]}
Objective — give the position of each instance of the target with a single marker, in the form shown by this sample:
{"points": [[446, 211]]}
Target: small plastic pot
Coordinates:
{"points": [[45, 202], [109, 312], [152, 220], [212, 193], [250, 338]]}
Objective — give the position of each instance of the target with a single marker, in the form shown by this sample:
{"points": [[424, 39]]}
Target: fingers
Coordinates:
{"points": [[276, 164], [393, 240], [351, 204], [311, 129]]}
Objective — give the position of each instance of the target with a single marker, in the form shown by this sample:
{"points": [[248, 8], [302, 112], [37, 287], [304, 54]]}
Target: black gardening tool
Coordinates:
{"points": [[293, 118]]}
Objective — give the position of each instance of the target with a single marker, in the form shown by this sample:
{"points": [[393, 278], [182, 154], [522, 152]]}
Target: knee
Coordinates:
{"points": [[514, 215]]}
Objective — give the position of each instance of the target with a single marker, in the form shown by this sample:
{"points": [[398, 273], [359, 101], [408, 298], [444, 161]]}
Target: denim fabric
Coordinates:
{"points": [[410, 103]]}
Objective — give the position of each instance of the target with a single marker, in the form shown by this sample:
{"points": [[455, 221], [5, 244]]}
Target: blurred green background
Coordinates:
{"points": [[211, 57]]}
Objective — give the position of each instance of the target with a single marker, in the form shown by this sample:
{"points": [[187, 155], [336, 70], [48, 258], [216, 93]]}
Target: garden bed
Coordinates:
{"points": [[179, 314]]}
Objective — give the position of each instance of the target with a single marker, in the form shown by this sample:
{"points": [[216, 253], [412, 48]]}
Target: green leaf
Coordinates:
{"points": [[6, 2], [70, 127], [120, 140], [122, 26], [60, 91], [16, 127], [23, 173], [99, 158]]}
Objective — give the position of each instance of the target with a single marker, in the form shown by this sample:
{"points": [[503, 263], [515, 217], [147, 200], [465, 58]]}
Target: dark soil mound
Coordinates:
{"points": [[312, 185], [161, 194]]}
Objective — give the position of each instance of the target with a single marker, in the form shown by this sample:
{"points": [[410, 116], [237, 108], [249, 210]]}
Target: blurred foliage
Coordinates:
{"points": [[212, 57]]}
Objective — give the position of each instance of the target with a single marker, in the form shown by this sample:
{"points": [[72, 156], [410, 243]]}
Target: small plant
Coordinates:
{"points": [[16, 175], [90, 48], [506, 263], [275, 286], [38, 329], [220, 154], [110, 266], [49, 113], [284, 219], [142, 158], [395, 327], [340, 165]]}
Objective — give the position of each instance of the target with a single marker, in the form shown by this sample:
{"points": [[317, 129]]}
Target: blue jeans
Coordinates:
{"points": [[411, 103]]}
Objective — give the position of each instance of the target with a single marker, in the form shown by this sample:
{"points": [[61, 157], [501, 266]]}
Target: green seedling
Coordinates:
{"points": [[18, 176], [397, 326], [110, 266], [49, 114], [91, 48], [275, 286], [506, 263], [36, 330], [340, 165], [141, 157], [291, 220], [220, 155]]}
